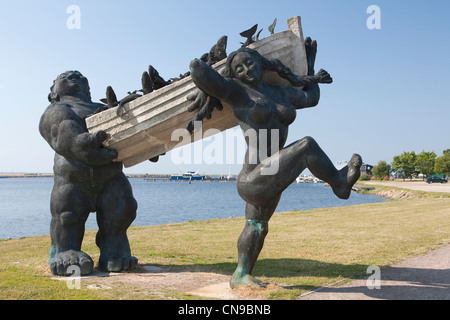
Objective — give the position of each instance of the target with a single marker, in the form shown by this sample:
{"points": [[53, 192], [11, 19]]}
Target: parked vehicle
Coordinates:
{"points": [[434, 179]]}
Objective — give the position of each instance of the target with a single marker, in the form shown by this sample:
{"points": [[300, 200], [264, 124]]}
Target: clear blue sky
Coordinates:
{"points": [[390, 90]]}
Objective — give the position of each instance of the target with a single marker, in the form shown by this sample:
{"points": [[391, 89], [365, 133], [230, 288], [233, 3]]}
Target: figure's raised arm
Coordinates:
{"points": [[210, 81], [66, 133], [310, 94]]}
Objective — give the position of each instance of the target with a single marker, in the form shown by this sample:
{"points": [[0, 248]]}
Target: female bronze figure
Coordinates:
{"points": [[270, 109]]}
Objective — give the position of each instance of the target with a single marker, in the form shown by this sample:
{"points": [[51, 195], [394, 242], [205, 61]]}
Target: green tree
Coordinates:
{"points": [[381, 170], [425, 162], [442, 163], [405, 164]]}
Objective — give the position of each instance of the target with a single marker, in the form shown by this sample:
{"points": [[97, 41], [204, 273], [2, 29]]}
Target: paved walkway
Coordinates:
{"points": [[414, 185], [425, 277]]}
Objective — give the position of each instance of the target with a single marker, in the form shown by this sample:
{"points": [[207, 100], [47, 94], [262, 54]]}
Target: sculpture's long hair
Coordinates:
{"points": [[54, 96], [268, 65]]}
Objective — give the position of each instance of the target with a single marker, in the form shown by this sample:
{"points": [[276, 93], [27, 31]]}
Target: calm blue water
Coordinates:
{"points": [[25, 202]]}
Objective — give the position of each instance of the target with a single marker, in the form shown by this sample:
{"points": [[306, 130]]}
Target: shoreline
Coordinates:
{"points": [[156, 176], [26, 175]]}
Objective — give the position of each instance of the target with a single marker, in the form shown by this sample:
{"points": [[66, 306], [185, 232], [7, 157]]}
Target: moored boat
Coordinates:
{"points": [[188, 176]]}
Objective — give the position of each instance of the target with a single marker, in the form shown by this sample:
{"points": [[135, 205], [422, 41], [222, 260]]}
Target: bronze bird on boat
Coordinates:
{"points": [[111, 100], [147, 84], [249, 35], [272, 26], [217, 52], [157, 80]]}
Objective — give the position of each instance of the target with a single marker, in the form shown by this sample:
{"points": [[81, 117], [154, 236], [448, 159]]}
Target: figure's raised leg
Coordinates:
{"points": [[70, 207], [116, 211], [259, 189], [348, 177], [262, 193]]}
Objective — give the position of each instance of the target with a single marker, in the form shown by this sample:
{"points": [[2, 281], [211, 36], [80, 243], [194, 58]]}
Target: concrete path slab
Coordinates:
{"points": [[425, 277]]}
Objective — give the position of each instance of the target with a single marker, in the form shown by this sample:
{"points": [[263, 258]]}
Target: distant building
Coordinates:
{"points": [[366, 169]]}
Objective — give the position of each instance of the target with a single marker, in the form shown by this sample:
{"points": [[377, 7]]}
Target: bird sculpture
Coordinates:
{"points": [[272, 26], [249, 35]]}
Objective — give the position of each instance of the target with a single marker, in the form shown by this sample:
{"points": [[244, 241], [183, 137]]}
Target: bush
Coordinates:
{"points": [[364, 177]]}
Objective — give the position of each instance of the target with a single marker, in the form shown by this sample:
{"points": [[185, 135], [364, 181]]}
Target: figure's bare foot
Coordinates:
{"points": [[115, 253], [349, 175], [60, 263], [246, 280], [118, 264]]}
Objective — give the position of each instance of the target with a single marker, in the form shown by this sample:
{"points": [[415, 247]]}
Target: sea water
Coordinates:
{"points": [[25, 202]]}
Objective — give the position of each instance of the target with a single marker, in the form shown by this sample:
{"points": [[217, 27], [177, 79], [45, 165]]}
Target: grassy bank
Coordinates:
{"points": [[303, 250]]}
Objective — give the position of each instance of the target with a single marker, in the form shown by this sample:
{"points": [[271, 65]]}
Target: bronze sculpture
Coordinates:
{"points": [[258, 106], [85, 180]]}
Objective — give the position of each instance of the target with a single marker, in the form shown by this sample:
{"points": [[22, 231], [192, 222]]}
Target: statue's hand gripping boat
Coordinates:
{"points": [[145, 129]]}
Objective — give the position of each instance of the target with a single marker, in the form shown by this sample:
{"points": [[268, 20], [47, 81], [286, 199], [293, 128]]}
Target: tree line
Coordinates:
{"points": [[408, 164]]}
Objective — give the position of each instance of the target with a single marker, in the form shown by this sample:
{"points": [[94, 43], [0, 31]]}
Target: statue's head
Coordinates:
{"points": [[249, 66], [70, 83], [246, 65]]}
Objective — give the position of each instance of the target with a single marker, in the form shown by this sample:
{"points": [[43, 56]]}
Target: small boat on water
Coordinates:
{"points": [[146, 128], [188, 176], [308, 179]]}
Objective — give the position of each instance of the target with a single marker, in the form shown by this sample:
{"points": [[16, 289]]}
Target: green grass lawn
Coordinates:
{"points": [[303, 250]]}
